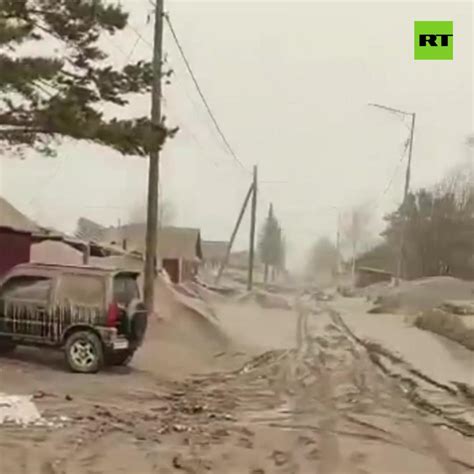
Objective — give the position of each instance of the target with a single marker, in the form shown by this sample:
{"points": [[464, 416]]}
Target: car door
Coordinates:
{"points": [[24, 305]]}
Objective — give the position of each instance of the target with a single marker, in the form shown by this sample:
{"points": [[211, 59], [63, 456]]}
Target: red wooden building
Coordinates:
{"points": [[15, 236]]}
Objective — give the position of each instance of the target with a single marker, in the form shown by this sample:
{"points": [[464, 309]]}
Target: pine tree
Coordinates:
{"points": [[271, 244], [43, 98]]}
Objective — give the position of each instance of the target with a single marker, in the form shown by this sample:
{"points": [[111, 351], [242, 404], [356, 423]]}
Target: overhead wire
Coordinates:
{"points": [[214, 120], [205, 123], [187, 129], [201, 94]]}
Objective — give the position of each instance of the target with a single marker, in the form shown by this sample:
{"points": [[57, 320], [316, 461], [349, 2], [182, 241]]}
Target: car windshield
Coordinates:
{"points": [[125, 288]]}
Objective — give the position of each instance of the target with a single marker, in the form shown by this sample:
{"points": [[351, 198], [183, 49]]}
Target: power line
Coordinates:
{"points": [[130, 54], [201, 94], [140, 36], [188, 130], [205, 123], [182, 126]]}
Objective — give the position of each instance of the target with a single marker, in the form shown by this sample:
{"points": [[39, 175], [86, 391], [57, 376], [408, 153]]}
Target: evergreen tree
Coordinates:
{"points": [[43, 98], [271, 244], [439, 234]]}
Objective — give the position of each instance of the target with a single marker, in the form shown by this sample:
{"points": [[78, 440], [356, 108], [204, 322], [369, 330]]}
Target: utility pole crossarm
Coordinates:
{"points": [[406, 188], [390, 109]]}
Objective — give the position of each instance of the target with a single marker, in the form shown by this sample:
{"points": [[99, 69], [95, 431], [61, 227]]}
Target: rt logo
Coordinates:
{"points": [[433, 40]]}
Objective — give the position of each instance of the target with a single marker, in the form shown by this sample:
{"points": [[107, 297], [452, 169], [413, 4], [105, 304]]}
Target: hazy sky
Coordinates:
{"points": [[289, 83]]}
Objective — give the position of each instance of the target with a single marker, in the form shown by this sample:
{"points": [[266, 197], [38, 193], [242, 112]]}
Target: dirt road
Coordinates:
{"points": [[294, 392]]}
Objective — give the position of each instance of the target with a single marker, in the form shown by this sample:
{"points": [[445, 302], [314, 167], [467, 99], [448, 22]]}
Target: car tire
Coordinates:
{"points": [[120, 358], [84, 352], [6, 345]]}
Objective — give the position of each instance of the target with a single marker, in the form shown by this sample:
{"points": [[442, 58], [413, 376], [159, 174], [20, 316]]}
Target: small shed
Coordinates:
{"points": [[15, 236], [366, 276], [213, 252]]}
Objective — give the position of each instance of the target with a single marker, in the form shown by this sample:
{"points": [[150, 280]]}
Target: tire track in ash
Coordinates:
{"points": [[402, 401], [330, 456]]}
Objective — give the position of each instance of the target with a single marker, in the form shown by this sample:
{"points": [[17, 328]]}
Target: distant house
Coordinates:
{"points": [[213, 252], [15, 236], [179, 249], [381, 256], [366, 276], [180, 252]]}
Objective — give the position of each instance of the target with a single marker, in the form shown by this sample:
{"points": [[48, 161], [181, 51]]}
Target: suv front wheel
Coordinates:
{"points": [[84, 352]]}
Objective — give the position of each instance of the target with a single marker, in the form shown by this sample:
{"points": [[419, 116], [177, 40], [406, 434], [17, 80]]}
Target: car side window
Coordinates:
{"points": [[24, 287], [82, 289]]}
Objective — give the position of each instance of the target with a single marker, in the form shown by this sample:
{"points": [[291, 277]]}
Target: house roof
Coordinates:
{"points": [[12, 218], [214, 249], [373, 270], [89, 230], [179, 242], [173, 242], [55, 252]]}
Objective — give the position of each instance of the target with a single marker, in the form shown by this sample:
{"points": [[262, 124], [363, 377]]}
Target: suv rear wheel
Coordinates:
{"points": [[84, 352], [6, 345]]}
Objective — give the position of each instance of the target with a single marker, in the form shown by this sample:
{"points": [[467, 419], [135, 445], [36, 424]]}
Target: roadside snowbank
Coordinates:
{"points": [[451, 326], [412, 297], [438, 358]]}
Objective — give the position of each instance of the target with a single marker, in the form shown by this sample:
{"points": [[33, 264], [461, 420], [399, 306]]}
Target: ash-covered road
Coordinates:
{"points": [[301, 391]]}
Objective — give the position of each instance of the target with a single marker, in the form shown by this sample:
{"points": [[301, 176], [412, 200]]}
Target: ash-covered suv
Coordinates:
{"points": [[95, 314]]}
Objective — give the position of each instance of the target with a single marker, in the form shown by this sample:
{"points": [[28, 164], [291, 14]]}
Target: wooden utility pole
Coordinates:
{"points": [[252, 231], [154, 164], [405, 197], [407, 186], [234, 233]]}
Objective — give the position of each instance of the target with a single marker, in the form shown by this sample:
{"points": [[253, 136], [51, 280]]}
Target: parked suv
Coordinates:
{"points": [[94, 314]]}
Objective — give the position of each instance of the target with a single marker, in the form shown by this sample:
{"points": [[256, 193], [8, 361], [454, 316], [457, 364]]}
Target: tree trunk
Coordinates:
{"points": [[265, 274]]}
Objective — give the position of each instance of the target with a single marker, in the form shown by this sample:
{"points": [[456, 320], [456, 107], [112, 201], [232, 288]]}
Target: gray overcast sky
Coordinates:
{"points": [[289, 83]]}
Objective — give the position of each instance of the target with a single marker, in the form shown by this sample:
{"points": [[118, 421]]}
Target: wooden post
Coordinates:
{"points": [[154, 164], [234, 233], [252, 232]]}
